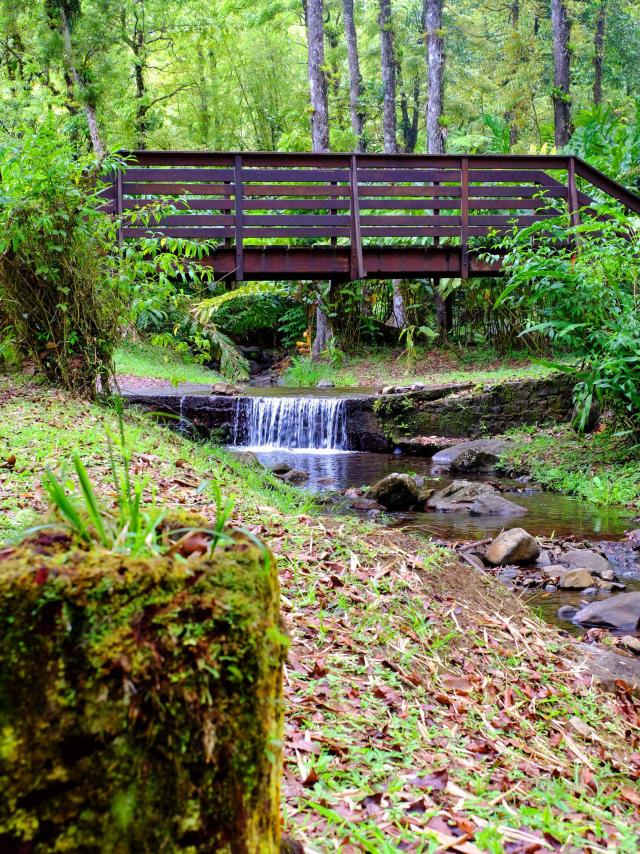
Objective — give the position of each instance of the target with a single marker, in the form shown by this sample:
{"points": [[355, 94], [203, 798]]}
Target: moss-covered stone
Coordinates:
{"points": [[140, 700]]}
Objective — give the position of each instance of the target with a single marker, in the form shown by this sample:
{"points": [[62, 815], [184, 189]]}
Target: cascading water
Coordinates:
{"points": [[291, 423]]}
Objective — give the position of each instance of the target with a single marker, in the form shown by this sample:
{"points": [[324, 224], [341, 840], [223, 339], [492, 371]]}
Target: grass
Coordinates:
{"points": [[146, 360], [423, 700], [603, 468], [379, 366]]}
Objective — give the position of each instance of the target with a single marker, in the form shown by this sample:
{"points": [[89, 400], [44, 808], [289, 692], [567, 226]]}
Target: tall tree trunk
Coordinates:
{"points": [[314, 15], [435, 135], [389, 125], [561, 72], [317, 79], [409, 122], [355, 77], [435, 82], [598, 56], [88, 106]]}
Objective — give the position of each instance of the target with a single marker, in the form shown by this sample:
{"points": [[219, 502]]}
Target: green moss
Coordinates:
{"points": [[140, 700], [396, 414]]}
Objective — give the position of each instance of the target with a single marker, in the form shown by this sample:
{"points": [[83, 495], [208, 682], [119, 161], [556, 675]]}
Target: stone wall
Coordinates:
{"points": [[384, 422], [475, 412]]}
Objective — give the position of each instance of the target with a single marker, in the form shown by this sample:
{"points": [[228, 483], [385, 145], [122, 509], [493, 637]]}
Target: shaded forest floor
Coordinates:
{"points": [[427, 709]]}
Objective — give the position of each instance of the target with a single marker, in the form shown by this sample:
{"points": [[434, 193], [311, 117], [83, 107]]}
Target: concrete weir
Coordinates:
{"points": [[372, 421]]}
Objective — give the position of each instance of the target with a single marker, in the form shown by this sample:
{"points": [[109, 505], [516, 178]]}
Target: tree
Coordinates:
{"points": [[598, 53], [356, 91], [388, 60], [435, 80], [561, 28], [314, 14]]}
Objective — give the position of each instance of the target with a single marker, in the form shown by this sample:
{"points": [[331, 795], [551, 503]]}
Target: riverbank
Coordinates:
{"points": [[426, 706], [601, 467]]}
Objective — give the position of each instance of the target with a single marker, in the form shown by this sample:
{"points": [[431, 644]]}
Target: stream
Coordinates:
{"points": [[305, 430]]}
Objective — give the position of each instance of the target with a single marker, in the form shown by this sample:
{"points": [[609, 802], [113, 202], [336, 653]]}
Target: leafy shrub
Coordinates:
{"points": [[578, 285], [57, 283]]}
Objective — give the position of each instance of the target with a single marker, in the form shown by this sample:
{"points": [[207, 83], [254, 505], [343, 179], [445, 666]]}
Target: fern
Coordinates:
{"points": [[206, 309]]}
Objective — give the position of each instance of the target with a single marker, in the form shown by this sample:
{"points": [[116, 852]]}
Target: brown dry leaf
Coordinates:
{"points": [[631, 795]]}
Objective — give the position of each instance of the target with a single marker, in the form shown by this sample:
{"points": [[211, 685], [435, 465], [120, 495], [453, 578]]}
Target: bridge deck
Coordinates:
{"points": [[272, 215]]}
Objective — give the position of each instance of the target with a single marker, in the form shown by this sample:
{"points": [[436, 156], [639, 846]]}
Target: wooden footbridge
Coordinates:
{"points": [[350, 216]]}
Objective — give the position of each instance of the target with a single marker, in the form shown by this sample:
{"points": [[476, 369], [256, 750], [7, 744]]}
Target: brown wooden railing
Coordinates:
{"points": [[276, 215]]}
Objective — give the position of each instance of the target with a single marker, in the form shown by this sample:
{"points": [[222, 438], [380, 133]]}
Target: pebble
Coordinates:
{"points": [[567, 612]]}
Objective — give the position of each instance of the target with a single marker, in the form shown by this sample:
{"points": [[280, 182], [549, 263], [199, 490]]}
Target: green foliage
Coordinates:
{"points": [[578, 285], [304, 373], [57, 285], [140, 699], [609, 142]]}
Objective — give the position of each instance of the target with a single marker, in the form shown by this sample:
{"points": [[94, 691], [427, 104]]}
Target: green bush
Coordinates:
{"points": [[140, 699], [578, 285], [57, 284]]}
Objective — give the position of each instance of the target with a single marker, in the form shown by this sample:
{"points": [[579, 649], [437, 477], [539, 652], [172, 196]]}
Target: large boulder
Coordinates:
{"points": [[513, 546], [495, 505], [296, 477], [141, 699], [225, 389], [460, 495], [576, 579], [622, 611], [587, 559], [479, 455], [395, 492]]}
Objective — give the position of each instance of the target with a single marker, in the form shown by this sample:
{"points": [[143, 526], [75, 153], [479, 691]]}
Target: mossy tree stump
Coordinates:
{"points": [[140, 700]]}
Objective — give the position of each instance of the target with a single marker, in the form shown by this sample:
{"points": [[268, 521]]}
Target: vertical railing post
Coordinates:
{"points": [[464, 218], [356, 265], [572, 193], [119, 204], [237, 181]]}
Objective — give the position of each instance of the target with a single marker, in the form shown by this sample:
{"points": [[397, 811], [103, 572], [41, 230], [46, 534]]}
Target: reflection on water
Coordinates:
{"points": [[548, 514]]}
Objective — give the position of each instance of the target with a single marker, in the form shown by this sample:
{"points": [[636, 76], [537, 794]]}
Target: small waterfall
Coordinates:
{"points": [[292, 423]]}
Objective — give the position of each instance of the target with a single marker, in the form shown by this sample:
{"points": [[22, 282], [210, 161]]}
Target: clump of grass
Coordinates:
{"points": [[305, 372], [147, 360]]}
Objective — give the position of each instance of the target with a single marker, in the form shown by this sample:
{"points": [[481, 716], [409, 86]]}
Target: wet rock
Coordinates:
{"points": [[366, 504], [479, 455], [550, 588], [590, 591], [424, 446], [395, 491], [280, 468], [225, 389], [460, 495], [631, 643], [556, 570], [576, 579], [617, 612], [296, 477], [586, 559], [326, 481], [567, 612], [424, 495], [326, 384], [417, 386], [610, 586], [388, 389], [634, 535], [544, 558], [513, 546], [609, 668], [353, 492], [495, 505], [248, 458]]}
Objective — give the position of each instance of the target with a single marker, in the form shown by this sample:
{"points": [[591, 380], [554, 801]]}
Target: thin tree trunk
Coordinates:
{"points": [[389, 125], [598, 57], [435, 82], [317, 79], [314, 16], [89, 108], [561, 72], [409, 122], [355, 77]]}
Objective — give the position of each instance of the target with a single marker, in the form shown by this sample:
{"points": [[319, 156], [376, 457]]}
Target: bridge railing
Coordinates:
{"points": [[348, 200]]}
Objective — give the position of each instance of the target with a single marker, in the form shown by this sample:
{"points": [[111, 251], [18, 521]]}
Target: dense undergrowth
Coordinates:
{"points": [[426, 708], [601, 467]]}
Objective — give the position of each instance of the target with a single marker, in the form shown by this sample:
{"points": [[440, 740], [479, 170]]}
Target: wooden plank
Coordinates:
{"points": [[173, 175], [423, 231], [181, 204], [508, 219], [295, 204], [517, 191], [464, 219], [204, 233], [405, 190], [508, 204], [415, 221], [507, 176], [574, 207], [356, 262], [237, 187], [409, 204], [411, 175], [318, 220], [297, 231], [297, 175], [118, 205], [173, 189], [195, 220]]}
